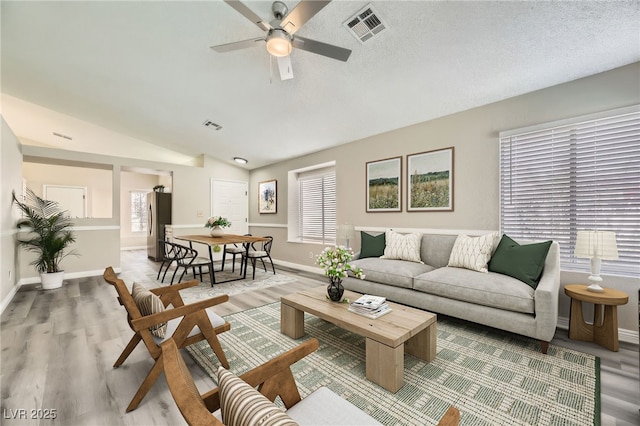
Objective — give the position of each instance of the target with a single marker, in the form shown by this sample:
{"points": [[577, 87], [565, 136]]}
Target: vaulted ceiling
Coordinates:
{"points": [[145, 70]]}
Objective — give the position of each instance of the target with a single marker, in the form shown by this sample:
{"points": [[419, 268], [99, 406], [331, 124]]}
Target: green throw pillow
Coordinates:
{"points": [[524, 262], [371, 246]]}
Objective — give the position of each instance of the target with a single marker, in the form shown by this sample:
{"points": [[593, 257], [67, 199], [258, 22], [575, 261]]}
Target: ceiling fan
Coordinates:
{"points": [[280, 39]]}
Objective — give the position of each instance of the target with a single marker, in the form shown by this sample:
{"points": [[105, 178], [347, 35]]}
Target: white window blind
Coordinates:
{"points": [[580, 174], [317, 208], [138, 211]]}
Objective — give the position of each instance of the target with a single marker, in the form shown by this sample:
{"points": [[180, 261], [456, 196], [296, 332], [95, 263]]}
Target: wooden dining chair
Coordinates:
{"points": [[260, 254], [153, 321], [188, 258], [235, 250]]}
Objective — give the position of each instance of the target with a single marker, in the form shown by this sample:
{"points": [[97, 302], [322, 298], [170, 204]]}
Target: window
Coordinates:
{"points": [[577, 174], [138, 211], [313, 203]]}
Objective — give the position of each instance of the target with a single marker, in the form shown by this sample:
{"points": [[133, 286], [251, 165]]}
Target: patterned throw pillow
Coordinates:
{"points": [[242, 405], [473, 253], [402, 246], [148, 303]]}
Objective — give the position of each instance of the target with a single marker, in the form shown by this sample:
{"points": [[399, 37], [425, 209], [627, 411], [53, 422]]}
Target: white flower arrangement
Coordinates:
{"points": [[335, 262]]}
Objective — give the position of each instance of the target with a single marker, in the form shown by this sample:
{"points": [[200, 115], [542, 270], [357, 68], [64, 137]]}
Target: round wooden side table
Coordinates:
{"points": [[604, 330]]}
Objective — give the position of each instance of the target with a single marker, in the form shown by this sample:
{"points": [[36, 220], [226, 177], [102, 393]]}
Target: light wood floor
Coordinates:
{"points": [[58, 348]]}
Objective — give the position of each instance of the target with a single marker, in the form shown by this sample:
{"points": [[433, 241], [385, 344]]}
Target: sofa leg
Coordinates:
{"points": [[544, 346]]}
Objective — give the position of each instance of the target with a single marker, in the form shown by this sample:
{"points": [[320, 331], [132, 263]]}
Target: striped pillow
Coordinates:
{"points": [[242, 405], [148, 303]]}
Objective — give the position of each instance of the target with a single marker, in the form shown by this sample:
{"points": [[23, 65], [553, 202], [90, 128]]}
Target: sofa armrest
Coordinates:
{"points": [[546, 295]]}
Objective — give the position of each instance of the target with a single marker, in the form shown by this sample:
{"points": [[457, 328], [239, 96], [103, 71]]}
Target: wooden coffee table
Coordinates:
{"points": [[387, 338]]}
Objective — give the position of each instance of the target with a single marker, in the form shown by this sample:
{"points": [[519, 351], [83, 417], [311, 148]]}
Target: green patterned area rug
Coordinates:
{"points": [[490, 376]]}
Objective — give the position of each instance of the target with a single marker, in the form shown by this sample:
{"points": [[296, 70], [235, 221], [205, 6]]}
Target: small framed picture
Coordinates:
{"points": [[430, 181], [384, 185], [268, 196]]}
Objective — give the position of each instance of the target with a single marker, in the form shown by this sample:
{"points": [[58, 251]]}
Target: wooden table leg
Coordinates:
{"points": [[605, 327], [291, 321], [385, 365], [578, 328], [423, 344]]}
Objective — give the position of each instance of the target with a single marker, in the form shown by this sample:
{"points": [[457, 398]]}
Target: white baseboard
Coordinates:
{"points": [[9, 298]]}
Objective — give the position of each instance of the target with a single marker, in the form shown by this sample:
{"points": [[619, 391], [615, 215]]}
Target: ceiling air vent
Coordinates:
{"points": [[365, 24], [209, 123]]}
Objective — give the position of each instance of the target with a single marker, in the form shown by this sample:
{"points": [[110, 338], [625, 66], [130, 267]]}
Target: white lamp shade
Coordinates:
{"points": [[346, 232], [596, 244]]}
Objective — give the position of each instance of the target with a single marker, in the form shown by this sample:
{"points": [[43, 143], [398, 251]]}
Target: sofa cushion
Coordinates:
{"points": [[524, 262], [435, 249], [402, 246], [488, 289], [371, 245], [473, 252], [397, 273]]}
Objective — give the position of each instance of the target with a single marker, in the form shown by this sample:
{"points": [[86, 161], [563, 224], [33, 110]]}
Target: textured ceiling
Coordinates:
{"points": [[145, 70]]}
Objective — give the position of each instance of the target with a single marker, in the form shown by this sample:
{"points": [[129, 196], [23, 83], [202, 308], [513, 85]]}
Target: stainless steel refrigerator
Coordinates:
{"points": [[158, 215]]}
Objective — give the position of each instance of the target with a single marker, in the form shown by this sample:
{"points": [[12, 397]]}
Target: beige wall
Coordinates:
{"points": [[474, 134], [11, 180], [96, 181]]}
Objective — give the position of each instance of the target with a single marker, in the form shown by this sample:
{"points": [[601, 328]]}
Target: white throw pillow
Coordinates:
{"points": [[402, 246], [473, 253]]}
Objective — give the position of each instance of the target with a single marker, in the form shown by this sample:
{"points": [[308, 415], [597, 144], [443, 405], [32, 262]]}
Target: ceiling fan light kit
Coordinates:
{"points": [[279, 43], [280, 39]]}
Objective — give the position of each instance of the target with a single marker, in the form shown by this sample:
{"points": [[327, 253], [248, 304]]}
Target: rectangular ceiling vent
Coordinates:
{"points": [[209, 123], [366, 24]]}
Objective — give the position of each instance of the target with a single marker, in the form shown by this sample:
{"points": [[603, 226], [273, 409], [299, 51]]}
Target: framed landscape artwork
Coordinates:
{"points": [[267, 196], [384, 182], [430, 181]]}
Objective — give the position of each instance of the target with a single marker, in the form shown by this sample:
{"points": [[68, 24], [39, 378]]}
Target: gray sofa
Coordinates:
{"points": [[490, 298]]}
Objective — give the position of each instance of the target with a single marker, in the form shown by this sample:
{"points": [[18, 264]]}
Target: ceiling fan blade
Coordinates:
{"points": [[249, 14], [237, 45], [301, 13], [284, 67], [321, 48]]}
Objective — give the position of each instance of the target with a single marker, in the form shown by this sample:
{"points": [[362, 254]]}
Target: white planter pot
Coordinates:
{"points": [[51, 280], [216, 231]]}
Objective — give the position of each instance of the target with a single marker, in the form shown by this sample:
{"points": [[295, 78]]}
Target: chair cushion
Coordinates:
{"points": [[472, 253], [216, 321], [323, 407], [234, 250], [148, 303], [242, 405], [257, 253]]}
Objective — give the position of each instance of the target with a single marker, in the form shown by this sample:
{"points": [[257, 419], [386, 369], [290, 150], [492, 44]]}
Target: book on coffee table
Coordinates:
{"points": [[369, 301], [371, 313]]}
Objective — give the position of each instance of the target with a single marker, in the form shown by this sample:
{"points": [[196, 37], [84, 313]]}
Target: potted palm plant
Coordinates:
{"points": [[48, 235]]}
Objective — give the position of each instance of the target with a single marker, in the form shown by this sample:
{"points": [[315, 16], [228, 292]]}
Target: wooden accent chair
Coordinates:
{"points": [[273, 378], [186, 324]]}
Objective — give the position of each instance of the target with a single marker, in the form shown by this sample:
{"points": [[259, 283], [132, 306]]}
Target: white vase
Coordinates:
{"points": [[216, 231], [51, 280]]}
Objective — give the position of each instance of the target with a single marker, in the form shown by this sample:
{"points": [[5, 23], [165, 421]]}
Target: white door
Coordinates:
{"points": [[70, 198], [230, 199]]}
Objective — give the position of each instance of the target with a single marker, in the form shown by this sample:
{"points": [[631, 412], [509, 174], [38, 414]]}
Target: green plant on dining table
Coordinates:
{"points": [[220, 221]]}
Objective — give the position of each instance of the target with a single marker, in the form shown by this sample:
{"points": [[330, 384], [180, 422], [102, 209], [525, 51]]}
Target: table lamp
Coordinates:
{"points": [[596, 245], [346, 232]]}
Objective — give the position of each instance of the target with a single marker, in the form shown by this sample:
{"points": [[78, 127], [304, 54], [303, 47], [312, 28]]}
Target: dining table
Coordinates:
{"points": [[223, 240]]}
